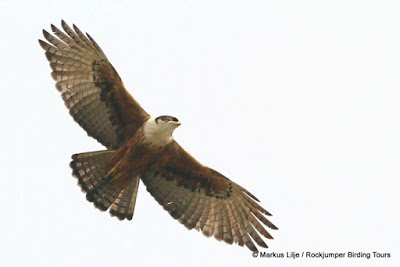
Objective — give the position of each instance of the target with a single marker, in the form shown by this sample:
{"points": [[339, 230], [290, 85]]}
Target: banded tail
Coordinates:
{"points": [[91, 170]]}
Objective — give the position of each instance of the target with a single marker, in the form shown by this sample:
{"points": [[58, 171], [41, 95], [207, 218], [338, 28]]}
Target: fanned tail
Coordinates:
{"points": [[92, 172]]}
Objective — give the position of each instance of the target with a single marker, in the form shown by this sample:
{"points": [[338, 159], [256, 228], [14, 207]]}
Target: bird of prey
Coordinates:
{"points": [[141, 147]]}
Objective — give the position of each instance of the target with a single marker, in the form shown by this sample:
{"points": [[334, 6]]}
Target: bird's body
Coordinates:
{"points": [[140, 147]]}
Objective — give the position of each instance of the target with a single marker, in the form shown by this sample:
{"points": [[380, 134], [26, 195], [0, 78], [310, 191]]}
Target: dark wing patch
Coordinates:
{"points": [[91, 88], [195, 181], [203, 199]]}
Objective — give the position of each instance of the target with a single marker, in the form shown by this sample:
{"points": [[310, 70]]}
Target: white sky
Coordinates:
{"points": [[297, 101]]}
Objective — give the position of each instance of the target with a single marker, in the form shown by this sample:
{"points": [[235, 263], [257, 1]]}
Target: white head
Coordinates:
{"points": [[159, 131]]}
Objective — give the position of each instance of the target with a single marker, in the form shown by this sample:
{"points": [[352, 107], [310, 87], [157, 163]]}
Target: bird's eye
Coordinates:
{"points": [[166, 118]]}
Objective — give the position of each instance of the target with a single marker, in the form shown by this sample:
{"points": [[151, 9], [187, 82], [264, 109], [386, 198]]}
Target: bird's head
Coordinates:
{"points": [[167, 123], [159, 130]]}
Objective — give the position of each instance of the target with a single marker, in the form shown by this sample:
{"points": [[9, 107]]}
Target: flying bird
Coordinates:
{"points": [[141, 147]]}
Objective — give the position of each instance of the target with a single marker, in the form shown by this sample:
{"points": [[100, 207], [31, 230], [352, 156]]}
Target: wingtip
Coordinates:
{"points": [[47, 35], [53, 27], [265, 212], [252, 247], [252, 196], [43, 44], [64, 25], [90, 37]]}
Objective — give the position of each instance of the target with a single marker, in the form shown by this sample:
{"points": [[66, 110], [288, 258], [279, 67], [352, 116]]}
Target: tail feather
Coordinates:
{"points": [[88, 168], [94, 179], [124, 205], [103, 194]]}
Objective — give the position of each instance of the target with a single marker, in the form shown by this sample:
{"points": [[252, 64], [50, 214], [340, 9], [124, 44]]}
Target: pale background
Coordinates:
{"points": [[297, 101]]}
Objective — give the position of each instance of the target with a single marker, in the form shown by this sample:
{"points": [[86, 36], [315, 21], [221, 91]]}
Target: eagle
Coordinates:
{"points": [[141, 147]]}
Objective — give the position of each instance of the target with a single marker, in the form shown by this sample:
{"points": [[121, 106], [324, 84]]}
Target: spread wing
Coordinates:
{"points": [[91, 88], [203, 199]]}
